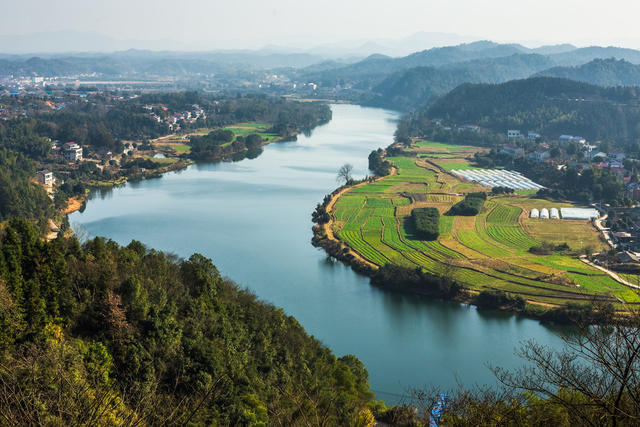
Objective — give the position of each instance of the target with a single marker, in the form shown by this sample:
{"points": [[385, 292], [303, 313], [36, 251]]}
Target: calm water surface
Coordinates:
{"points": [[253, 218]]}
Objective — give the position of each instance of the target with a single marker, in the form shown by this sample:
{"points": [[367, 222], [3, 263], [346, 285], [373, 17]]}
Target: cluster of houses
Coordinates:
{"points": [[516, 134], [611, 160], [462, 128], [157, 112]]}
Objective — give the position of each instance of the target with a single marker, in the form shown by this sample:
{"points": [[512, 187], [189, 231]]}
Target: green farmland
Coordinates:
{"points": [[489, 251]]}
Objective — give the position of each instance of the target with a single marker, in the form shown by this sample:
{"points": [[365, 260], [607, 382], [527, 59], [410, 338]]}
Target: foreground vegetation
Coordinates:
{"points": [[100, 334], [490, 254], [594, 380]]}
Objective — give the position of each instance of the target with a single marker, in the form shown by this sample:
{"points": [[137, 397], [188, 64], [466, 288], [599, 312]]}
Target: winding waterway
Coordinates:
{"points": [[253, 218]]}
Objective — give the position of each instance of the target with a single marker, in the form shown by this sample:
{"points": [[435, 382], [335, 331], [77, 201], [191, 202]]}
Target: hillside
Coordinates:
{"points": [[586, 54], [549, 106], [102, 334], [601, 72], [411, 88]]}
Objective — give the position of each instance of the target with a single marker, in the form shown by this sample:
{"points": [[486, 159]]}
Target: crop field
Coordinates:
{"points": [[429, 145], [488, 251]]}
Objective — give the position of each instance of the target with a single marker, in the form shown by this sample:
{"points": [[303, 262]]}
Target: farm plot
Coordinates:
{"points": [[354, 240], [487, 251], [511, 235]]}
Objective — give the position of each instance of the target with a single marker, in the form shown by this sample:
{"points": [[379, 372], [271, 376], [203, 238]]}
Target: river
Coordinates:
{"points": [[253, 219]]}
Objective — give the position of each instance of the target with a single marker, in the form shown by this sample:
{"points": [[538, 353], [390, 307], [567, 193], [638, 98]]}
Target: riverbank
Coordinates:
{"points": [[76, 203], [171, 147]]}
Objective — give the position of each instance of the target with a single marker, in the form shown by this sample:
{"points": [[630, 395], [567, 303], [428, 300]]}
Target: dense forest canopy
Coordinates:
{"points": [[412, 88], [100, 333], [19, 197]]}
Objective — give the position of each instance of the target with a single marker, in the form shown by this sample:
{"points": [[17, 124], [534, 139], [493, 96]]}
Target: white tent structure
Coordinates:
{"points": [[554, 214], [579, 213], [498, 178], [544, 213], [535, 213]]}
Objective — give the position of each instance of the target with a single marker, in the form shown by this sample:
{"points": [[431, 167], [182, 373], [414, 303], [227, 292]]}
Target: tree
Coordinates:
{"points": [[595, 377], [344, 173]]}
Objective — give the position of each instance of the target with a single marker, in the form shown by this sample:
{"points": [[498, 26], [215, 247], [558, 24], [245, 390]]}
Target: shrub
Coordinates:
{"points": [[470, 206], [426, 222]]}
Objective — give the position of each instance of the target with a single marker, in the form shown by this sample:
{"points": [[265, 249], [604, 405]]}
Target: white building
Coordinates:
{"points": [[72, 151], [515, 134], [45, 177], [544, 213], [535, 213], [554, 214]]}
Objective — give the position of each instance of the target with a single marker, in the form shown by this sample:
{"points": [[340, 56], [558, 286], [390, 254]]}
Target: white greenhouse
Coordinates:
{"points": [[579, 213]]}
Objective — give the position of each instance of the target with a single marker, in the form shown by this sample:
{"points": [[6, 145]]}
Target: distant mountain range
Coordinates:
{"points": [[408, 82], [402, 83], [142, 62], [601, 72], [73, 42]]}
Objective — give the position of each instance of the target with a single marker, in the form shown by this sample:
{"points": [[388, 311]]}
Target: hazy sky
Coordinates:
{"points": [[253, 23]]}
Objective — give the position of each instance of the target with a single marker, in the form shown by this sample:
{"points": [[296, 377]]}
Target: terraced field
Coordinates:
{"points": [[489, 251]]}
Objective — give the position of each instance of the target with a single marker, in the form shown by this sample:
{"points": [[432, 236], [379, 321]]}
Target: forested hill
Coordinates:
{"points": [[601, 72], [550, 106], [411, 88], [100, 334]]}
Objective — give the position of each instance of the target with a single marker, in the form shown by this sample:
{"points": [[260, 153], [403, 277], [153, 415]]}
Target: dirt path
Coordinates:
{"points": [[609, 273]]}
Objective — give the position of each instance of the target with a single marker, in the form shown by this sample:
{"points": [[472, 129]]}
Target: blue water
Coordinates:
{"points": [[253, 218]]}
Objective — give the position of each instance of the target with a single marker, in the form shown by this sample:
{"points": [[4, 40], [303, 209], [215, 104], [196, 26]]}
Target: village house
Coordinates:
{"points": [[514, 134], [532, 136], [45, 177], [632, 191], [513, 150], [616, 155], [72, 151], [105, 153], [565, 139], [539, 156]]}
